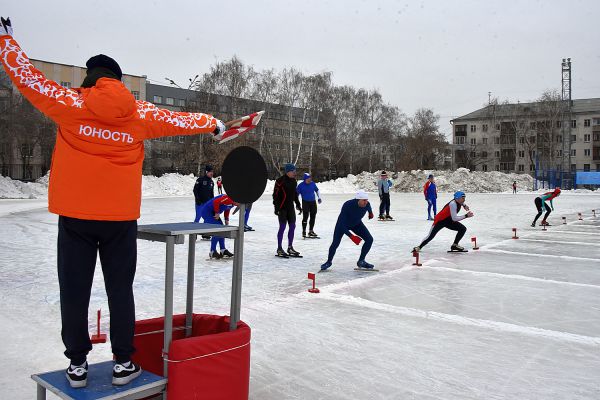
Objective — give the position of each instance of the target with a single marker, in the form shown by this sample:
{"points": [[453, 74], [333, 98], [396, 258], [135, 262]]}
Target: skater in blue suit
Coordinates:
{"points": [[308, 190], [211, 214], [430, 192], [349, 223]]}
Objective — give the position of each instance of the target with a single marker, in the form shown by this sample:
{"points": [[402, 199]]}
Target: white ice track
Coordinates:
{"points": [[518, 319]]}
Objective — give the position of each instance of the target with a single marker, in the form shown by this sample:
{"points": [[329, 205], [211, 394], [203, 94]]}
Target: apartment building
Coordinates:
{"points": [[526, 137], [280, 127]]}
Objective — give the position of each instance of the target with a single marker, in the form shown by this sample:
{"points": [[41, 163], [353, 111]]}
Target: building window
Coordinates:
{"points": [[484, 154], [522, 153], [587, 152], [157, 99], [136, 94], [558, 124], [558, 138], [484, 127], [586, 167], [473, 141], [459, 140], [484, 167], [497, 153], [558, 153], [586, 122], [573, 138], [521, 168], [496, 140], [531, 139], [574, 123], [573, 153], [573, 167], [170, 101], [497, 127], [587, 137], [473, 154], [522, 139], [595, 121], [497, 168], [65, 84], [532, 125], [485, 140], [531, 167], [181, 102], [473, 128]]}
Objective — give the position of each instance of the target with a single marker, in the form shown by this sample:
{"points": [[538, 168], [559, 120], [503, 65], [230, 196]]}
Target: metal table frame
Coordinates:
{"points": [[173, 234]]}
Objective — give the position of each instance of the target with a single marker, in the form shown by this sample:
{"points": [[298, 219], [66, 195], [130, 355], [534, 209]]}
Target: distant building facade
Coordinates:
{"points": [[278, 129], [523, 137]]}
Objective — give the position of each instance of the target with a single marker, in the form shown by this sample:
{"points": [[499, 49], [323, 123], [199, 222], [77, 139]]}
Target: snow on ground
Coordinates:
{"points": [[413, 181], [518, 319]]}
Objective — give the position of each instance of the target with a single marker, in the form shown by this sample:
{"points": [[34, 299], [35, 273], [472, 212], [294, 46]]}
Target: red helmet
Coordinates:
{"points": [[557, 191]]}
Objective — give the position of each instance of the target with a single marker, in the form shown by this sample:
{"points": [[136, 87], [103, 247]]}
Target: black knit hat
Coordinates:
{"points": [[105, 62], [208, 168]]}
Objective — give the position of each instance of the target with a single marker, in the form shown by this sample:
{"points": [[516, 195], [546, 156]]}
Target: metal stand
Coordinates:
{"points": [[170, 234]]}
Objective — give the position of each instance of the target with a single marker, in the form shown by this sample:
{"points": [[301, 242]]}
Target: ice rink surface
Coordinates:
{"points": [[517, 319]]}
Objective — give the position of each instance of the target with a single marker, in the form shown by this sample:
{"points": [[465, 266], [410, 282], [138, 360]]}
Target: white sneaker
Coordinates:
{"points": [[123, 374], [77, 375]]}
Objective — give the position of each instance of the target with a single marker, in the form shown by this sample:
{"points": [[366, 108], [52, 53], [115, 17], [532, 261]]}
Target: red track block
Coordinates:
{"points": [[98, 337], [580, 218], [564, 220], [594, 213], [515, 233], [416, 255], [544, 228], [312, 277], [474, 240]]}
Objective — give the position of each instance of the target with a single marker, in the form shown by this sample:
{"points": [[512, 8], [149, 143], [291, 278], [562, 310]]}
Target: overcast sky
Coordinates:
{"points": [[441, 54]]}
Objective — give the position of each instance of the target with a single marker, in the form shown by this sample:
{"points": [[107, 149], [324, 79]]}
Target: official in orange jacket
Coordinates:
{"points": [[95, 188]]}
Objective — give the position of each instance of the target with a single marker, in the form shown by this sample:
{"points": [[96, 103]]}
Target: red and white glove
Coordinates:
{"points": [[355, 239], [5, 27], [219, 130]]}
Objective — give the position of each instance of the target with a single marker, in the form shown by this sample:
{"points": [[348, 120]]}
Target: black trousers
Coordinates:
{"points": [[384, 205], [309, 209], [447, 223], [79, 241], [538, 205]]}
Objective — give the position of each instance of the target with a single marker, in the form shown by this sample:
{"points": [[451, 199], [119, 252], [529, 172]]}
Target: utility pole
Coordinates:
{"points": [[567, 104]]}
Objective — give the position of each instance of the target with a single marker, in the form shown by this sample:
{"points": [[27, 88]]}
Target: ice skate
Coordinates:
{"points": [[215, 255], [455, 248], [362, 265], [227, 254], [293, 253], [281, 253], [325, 266], [416, 249]]}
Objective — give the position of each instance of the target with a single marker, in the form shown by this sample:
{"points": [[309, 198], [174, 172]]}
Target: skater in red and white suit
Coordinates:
{"points": [[449, 218]]}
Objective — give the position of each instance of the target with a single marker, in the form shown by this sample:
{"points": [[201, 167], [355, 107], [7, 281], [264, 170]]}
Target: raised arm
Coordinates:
{"points": [[162, 122], [47, 96]]}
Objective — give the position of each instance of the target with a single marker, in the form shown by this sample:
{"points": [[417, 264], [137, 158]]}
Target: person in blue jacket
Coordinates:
{"points": [[349, 223], [211, 214], [307, 189], [430, 192]]}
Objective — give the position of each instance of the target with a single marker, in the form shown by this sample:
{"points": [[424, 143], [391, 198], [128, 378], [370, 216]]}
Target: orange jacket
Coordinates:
{"points": [[96, 170]]}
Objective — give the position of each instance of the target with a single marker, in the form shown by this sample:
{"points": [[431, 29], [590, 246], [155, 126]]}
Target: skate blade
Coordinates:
{"points": [[366, 269], [458, 251]]}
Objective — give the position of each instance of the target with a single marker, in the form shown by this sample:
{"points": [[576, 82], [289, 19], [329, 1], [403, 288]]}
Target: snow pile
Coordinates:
{"points": [[11, 189], [413, 181], [449, 181], [168, 185]]}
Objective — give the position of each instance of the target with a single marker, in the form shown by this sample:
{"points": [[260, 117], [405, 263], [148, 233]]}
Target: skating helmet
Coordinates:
{"points": [[458, 195], [557, 191]]}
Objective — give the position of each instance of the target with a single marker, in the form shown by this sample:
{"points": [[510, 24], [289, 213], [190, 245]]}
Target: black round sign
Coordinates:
{"points": [[244, 174]]}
